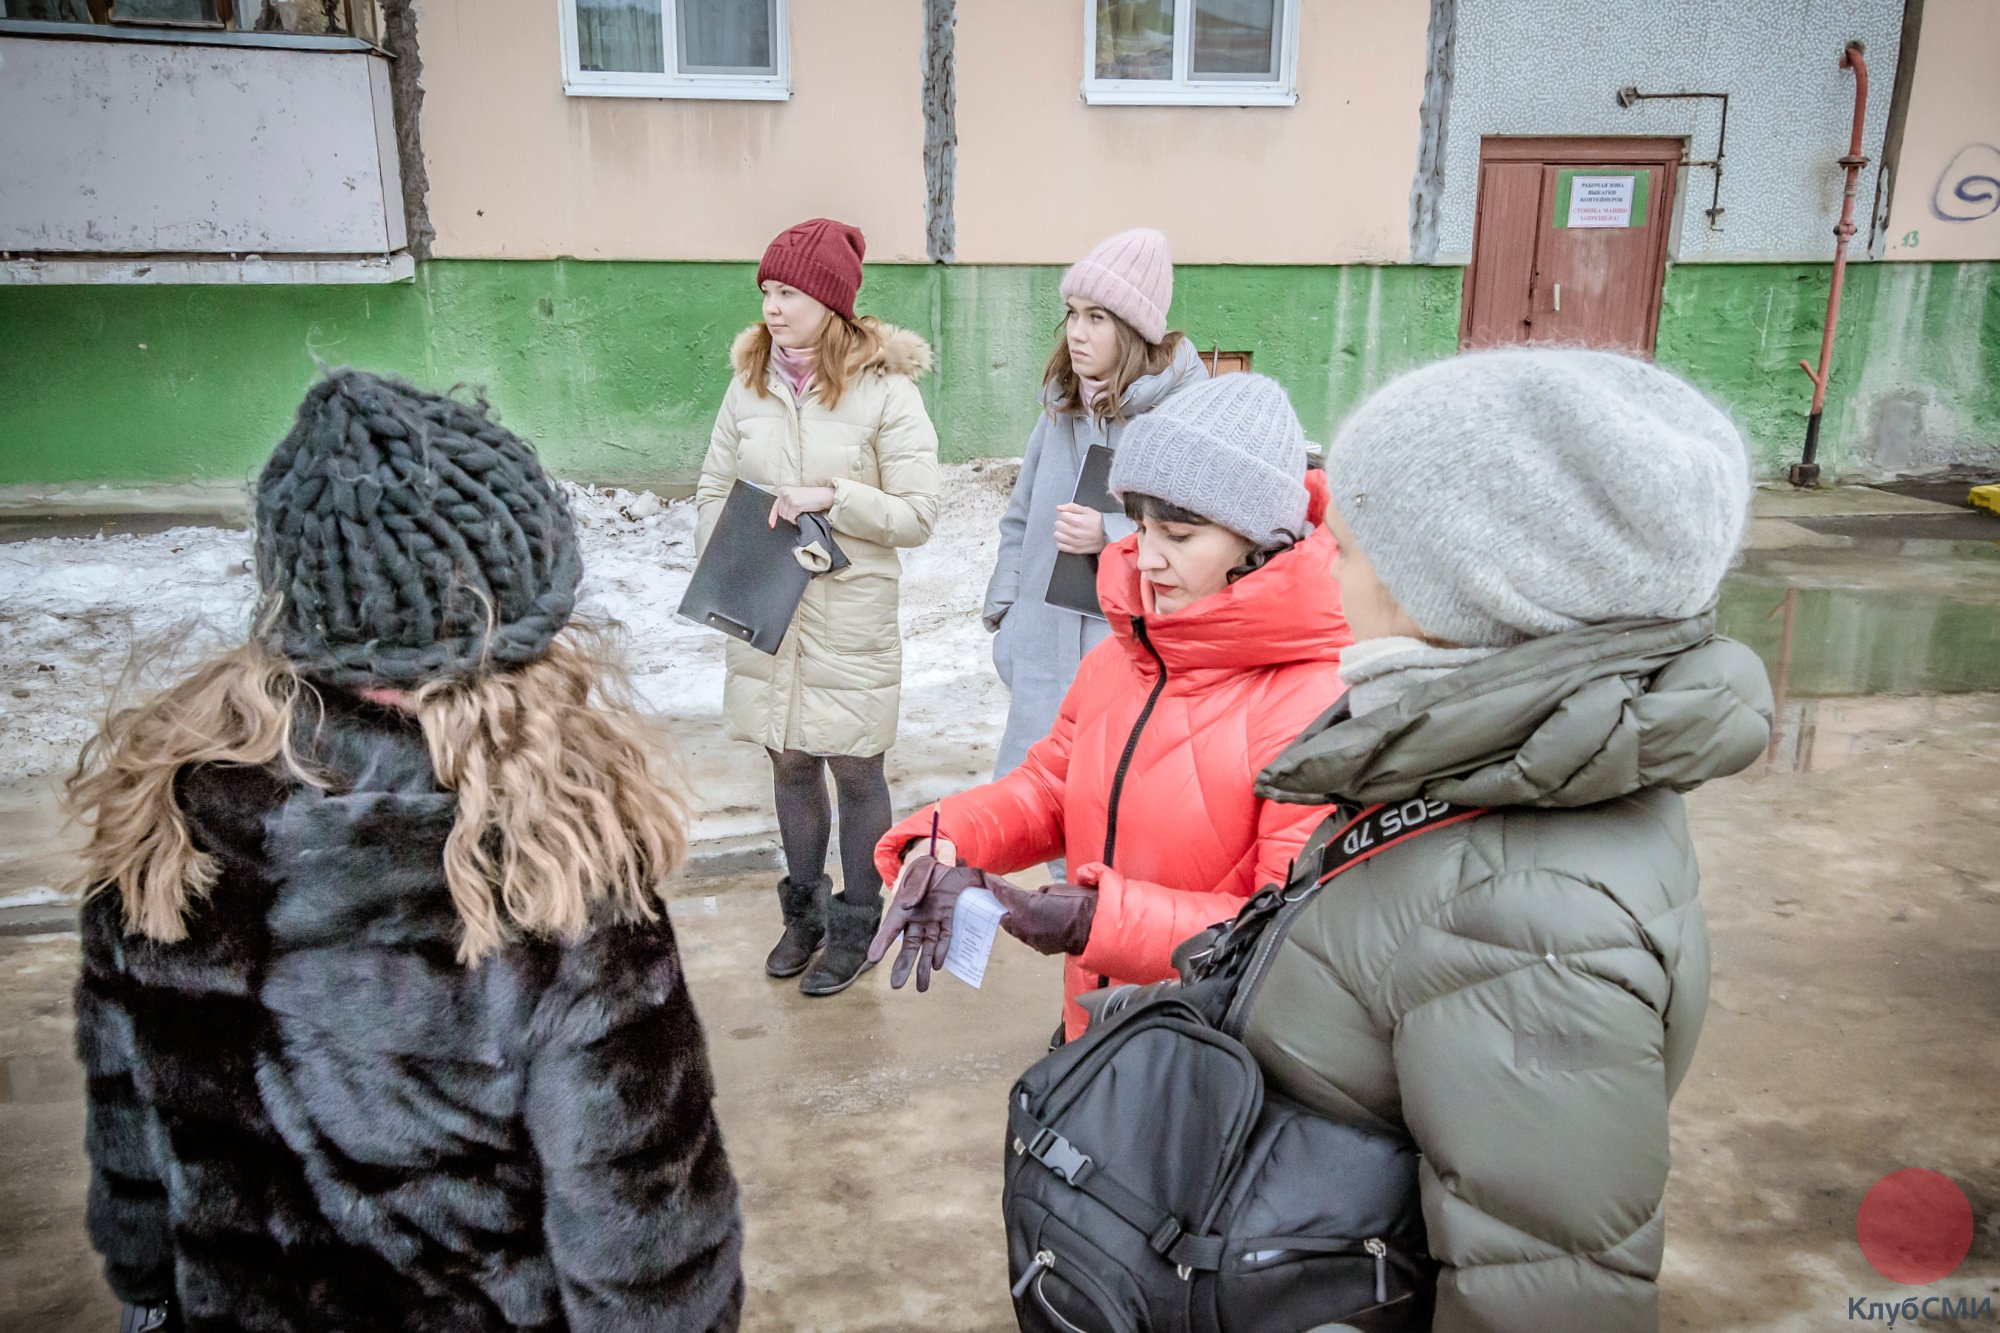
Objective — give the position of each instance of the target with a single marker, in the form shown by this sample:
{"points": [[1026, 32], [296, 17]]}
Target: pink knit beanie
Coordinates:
{"points": [[1132, 276]]}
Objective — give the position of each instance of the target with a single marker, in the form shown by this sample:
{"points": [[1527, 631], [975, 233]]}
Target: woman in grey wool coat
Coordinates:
{"points": [[1115, 361]]}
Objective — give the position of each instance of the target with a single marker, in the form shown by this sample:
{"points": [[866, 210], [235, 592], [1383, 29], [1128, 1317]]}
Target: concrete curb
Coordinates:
{"points": [[41, 919], [729, 856]]}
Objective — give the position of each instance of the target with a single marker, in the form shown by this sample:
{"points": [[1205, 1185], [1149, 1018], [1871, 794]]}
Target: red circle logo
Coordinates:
{"points": [[1914, 1227]]}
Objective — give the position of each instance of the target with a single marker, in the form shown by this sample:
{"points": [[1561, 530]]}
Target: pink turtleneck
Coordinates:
{"points": [[796, 367], [1093, 395]]}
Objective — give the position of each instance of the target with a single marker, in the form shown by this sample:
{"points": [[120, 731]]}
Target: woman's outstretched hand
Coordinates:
{"points": [[1054, 920], [920, 911]]}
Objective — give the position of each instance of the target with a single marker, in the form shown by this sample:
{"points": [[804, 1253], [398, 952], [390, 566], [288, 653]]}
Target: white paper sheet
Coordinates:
{"points": [[974, 924], [1601, 201]]}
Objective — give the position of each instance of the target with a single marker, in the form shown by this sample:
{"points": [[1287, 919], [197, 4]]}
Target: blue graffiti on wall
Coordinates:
{"points": [[1969, 188]]}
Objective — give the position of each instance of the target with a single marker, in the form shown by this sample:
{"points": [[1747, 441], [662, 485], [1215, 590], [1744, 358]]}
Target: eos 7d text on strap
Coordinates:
{"points": [[1336, 845], [1334, 848]]}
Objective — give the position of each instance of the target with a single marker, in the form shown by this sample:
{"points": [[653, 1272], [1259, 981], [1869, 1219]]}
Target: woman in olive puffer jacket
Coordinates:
{"points": [[1521, 993]]}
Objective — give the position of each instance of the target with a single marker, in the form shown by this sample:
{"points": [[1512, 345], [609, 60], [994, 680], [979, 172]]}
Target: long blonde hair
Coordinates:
{"points": [[847, 344], [567, 799], [1137, 358]]}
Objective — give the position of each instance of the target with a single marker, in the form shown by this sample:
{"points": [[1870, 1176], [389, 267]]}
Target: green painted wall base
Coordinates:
{"points": [[615, 368], [1916, 359]]}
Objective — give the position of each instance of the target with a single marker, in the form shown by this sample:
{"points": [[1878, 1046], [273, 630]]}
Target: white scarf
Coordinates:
{"points": [[1378, 672]]}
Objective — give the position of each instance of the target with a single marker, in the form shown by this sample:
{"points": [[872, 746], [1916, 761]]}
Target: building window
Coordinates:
{"points": [[722, 49], [1191, 52]]}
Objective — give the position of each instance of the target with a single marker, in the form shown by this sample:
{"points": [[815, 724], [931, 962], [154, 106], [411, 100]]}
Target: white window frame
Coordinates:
{"points": [[1183, 89], [776, 87]]}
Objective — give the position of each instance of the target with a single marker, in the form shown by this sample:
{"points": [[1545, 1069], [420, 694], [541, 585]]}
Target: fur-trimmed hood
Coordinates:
{"points": [[901, 353]]}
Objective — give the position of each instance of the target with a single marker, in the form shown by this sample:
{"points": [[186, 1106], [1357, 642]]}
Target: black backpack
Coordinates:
{"points": [[1153, 1184]]}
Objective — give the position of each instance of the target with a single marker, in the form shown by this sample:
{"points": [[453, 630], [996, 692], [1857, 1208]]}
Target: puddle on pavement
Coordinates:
{"points": [[1826, 735], [1873, 649], [1840, 642]]}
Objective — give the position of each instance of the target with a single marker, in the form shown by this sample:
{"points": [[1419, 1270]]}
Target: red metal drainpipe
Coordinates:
{"points": [[1806, 471]]}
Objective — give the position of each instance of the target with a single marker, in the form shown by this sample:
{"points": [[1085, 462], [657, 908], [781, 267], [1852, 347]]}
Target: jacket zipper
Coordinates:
{"points": [[1131, 745], [1381, 1255], [796, 704], [1132, 741], [1043, 1259]]}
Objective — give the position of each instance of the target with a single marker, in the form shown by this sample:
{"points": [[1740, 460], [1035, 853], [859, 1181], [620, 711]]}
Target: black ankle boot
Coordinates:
{"points": [[804, 906], [849, 928]]}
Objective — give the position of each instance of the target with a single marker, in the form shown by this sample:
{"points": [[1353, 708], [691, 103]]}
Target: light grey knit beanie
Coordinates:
{"points": [[1230, 449], [1503, 496]]}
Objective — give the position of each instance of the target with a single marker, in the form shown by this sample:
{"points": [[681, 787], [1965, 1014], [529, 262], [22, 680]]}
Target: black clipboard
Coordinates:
{"points": [[1073, 583], [750, 578]]}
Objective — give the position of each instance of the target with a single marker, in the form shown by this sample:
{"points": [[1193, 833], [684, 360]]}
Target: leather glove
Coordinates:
{"points": [[1053, 920], [921, 911]]}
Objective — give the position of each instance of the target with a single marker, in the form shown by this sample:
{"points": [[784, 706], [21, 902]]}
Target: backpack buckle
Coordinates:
{"points": [[1059, 1155], [1166, 1235]]}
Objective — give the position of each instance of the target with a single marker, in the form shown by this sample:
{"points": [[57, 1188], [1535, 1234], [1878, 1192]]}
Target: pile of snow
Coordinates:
{"points": [[74, 610], [84, 620]]}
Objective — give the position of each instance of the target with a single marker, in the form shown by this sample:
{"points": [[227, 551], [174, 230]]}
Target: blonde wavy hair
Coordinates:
{"points": [[849, 344], [569, 802]]}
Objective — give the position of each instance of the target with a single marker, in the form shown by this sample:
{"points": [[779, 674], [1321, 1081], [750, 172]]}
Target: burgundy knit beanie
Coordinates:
{"points": [[822, 258]]}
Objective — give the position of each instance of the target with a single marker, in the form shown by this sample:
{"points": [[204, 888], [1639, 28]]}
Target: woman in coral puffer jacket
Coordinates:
{"points": [[1226, 640]]}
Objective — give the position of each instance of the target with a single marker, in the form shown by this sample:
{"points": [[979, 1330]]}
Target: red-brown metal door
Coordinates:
{"points": [[1570, 243]]}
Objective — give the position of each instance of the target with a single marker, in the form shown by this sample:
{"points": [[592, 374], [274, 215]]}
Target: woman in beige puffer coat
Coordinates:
{"points": [[823, 410]]}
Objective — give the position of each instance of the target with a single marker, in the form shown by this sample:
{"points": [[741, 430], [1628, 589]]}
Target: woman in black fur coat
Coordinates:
{"points": [[381, 1012]]}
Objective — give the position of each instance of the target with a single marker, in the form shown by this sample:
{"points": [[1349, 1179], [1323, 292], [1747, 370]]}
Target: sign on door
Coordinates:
{"points": [[1602, 198]]}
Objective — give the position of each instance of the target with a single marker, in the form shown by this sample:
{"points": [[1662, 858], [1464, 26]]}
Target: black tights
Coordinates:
{"points": [[805, 820]]}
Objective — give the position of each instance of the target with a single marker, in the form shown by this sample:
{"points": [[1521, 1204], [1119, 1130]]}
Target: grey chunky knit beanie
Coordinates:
{"points": [[1230, 449], [407, 537], [1503, 496]]}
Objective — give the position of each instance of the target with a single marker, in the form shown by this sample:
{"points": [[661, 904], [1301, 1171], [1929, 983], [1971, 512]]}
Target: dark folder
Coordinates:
{"points": [[749, 580], [1073, 584]]}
